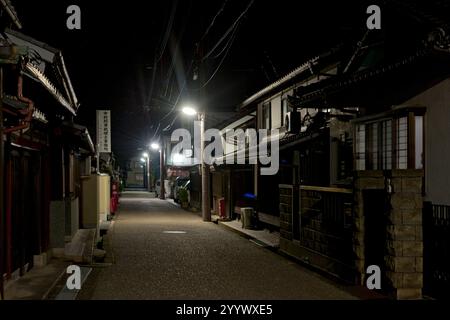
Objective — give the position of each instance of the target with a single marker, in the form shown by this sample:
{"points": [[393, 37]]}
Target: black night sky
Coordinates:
{"points": [[111, 59]]}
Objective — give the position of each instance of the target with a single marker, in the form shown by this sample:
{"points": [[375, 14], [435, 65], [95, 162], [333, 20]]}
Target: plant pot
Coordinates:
{"points": [[184, 205]]}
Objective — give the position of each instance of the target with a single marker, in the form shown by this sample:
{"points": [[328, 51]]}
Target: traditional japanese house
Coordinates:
{"points": [[45, 153]]}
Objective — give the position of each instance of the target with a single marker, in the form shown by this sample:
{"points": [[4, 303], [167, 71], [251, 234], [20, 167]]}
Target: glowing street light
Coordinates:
{"points": [[145, 155], [155, 146], [188, 110]]}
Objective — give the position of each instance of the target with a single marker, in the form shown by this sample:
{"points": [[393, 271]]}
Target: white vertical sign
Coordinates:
{"points": [[104, 130]]}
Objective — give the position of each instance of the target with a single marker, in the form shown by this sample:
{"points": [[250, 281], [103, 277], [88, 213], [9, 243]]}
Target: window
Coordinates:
{"points": [[418, 142], [387, 144], [284, 110], [372, 146], [360, 147], [266, 116], [402, 143]]}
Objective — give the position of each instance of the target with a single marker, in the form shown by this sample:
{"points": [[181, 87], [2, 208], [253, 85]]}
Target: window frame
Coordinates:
{"points": [[284, 103], [382, 151], [267, 111]]}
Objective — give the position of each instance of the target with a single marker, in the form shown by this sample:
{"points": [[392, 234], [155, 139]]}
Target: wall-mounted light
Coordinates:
{"points": [[388, 185]]}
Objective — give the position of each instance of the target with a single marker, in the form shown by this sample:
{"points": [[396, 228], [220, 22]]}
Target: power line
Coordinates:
{"points": [[230, 29], [159, 55], [229, 43], [168, 30], [214, 20], [233, 28], [221, 61], [176, 101]]}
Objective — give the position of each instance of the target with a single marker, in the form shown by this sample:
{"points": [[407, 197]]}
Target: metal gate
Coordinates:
{"points": [[436, 251]]}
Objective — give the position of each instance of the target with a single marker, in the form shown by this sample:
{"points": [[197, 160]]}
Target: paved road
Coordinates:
{"points": [[206, 262]]}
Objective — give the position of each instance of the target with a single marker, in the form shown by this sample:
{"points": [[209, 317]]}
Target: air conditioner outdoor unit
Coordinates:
{"points": [[292, 122]]}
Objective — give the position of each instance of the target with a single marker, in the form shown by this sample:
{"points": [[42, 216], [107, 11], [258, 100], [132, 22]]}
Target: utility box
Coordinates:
{"points": [[95, 202]]}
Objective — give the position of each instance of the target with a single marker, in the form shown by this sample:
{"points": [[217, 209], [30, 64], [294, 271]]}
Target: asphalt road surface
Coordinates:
{"points": [[159, 251]]}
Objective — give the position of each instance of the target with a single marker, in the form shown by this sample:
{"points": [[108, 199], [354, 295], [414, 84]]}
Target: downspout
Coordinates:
{"points": [[28, 113]]}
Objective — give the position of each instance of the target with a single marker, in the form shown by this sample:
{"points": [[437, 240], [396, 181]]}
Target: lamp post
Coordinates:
{"points": [[146, 158], [155, 146], [206, 211]]}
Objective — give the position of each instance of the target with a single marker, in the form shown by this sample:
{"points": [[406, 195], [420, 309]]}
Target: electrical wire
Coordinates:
{"points": [[172, 122], [214, 20], [176, 101], [168, 30], [159, 55], [230, 29], [229, 43], [219, 65], [233, 28]]}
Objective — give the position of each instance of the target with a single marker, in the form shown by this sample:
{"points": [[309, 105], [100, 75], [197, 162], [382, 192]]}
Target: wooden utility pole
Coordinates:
{"points": [[204, 168], [162, 192], [2, 190], [206, 210]]}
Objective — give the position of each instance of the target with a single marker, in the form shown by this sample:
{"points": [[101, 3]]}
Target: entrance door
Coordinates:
{"points": [[375, 209], [25, 206]]}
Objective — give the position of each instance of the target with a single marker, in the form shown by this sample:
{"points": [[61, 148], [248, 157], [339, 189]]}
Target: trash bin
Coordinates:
{"points": [[248, 218]]}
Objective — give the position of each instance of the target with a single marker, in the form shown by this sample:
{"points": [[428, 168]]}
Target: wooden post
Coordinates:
{"points": [[162, 191], [2, 215]]}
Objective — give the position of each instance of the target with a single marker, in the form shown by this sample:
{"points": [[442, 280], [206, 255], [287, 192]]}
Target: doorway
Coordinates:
{"points": [[375, 217]]}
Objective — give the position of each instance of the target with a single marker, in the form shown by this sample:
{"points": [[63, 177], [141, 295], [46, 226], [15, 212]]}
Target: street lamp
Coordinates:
{"points": [[188, 110], [155, 146], [146, 159], [206, 211]]}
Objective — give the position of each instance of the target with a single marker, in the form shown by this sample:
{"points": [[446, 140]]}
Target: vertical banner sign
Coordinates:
{"points": [[104, 130]]}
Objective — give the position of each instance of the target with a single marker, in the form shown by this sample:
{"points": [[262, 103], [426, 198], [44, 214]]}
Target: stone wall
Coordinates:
{"points": [[404, 245]]}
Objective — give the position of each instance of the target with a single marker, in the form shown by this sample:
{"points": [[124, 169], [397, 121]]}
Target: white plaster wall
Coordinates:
{"points": [[276, 112], [437, 141]]}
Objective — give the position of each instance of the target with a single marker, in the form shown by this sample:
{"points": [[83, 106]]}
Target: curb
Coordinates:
{"points": [[250, 237]]}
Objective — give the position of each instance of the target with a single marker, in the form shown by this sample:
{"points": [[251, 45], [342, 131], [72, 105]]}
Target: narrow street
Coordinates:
{"points": [[151, 260]]}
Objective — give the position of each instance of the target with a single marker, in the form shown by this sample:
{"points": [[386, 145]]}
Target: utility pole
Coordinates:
{"points": [[206, 208], [148, 173], [2, 164], [162, 195], [98, 158]]}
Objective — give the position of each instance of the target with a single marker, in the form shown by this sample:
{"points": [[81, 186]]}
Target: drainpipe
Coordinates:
{"points": [[28, 113]]}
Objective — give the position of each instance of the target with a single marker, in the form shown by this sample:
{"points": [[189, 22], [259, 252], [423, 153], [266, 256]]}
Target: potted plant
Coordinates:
{"points": [[183, 197]]}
